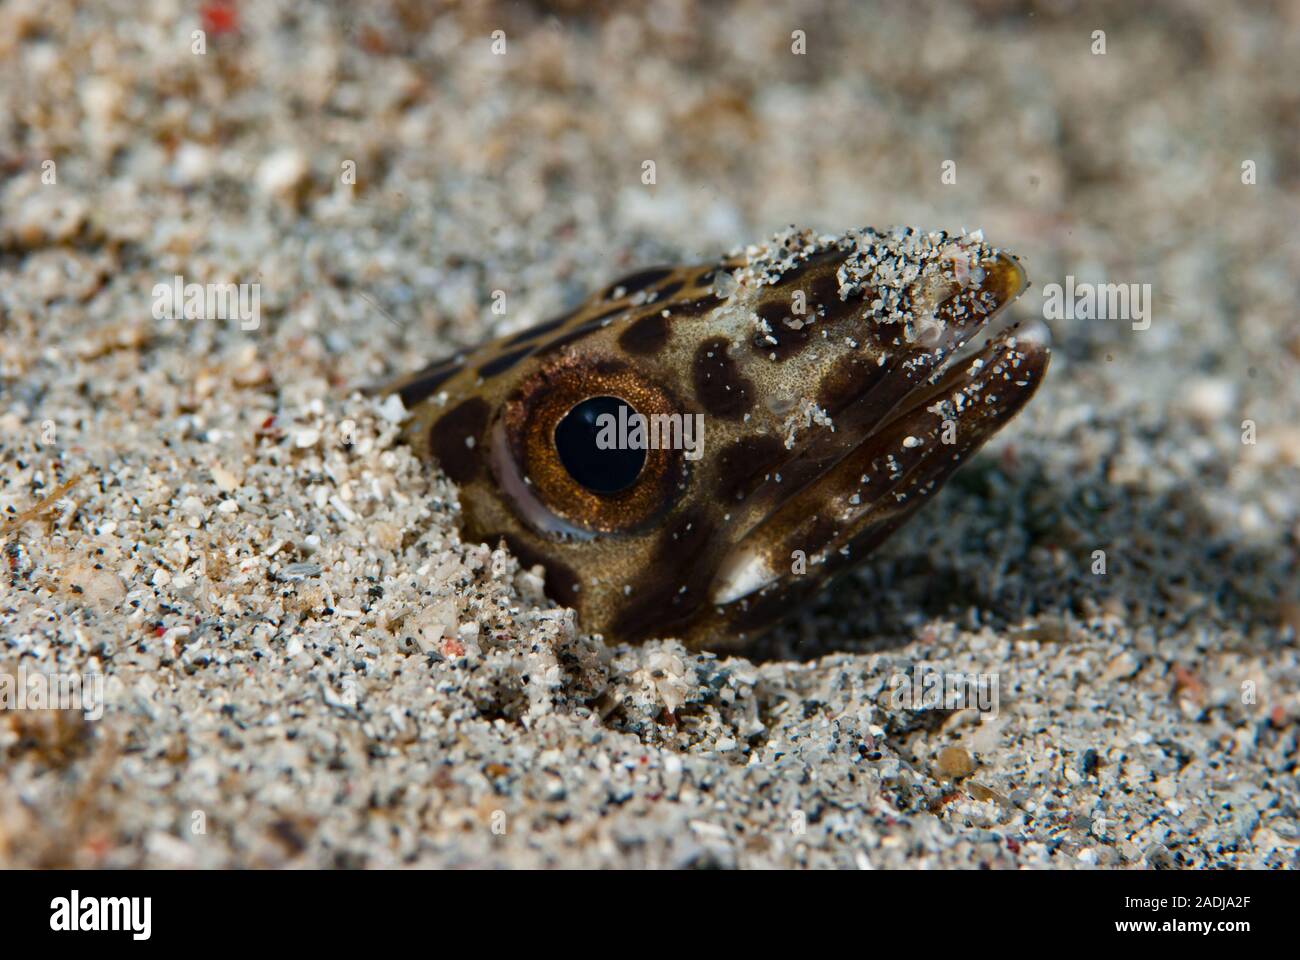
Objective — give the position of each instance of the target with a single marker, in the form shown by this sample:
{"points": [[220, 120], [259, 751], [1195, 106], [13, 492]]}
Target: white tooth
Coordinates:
{"points": [[739, 576]]}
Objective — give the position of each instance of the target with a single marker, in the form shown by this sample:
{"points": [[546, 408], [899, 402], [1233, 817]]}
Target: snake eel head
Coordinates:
{"points": [[695, 450]]}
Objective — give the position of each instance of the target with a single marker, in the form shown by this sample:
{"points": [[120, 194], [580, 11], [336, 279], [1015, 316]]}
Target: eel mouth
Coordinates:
{"points": [[906, 435]]}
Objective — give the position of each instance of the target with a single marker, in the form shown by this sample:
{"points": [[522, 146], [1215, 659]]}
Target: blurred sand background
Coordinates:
{"points": [[305, 666]]}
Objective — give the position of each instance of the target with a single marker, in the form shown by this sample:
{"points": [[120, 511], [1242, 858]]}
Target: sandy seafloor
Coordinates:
{"points": [[305, 666]]}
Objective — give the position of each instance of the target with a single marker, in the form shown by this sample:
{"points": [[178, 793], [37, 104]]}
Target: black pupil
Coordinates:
{"points": [[591, 443]]}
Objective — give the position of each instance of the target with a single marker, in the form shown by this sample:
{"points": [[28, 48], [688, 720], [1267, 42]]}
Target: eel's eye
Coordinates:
{"points": [[574, 449], [593, 443]]}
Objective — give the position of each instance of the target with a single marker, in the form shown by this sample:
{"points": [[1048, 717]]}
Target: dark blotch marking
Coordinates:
{"points": [[719, 387], [682, 557], [637, 281], [459, 461], [532, 333], [646, 335], [849, 378], [788, 341], [503, 363], [824, 292], [743, 464], [427, 382], [561, 582], [666, 291], [694, 308]]}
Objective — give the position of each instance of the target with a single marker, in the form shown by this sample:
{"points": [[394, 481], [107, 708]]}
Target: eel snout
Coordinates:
{"points": [[982, 375]]}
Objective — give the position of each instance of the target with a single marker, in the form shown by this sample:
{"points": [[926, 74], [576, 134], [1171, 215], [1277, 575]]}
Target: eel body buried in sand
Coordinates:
{"points": [[695, 450]]}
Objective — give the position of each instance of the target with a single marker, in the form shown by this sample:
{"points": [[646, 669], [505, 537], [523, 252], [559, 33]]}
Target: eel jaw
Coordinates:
{"points": [[852, 507]]}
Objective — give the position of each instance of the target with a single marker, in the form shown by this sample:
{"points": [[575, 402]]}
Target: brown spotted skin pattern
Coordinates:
{"points": [[839, 388]]}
